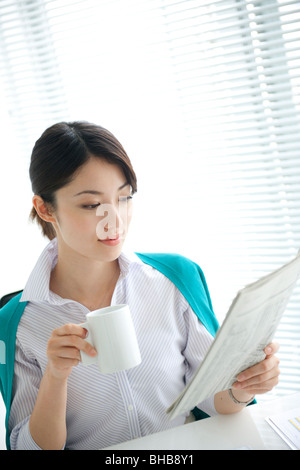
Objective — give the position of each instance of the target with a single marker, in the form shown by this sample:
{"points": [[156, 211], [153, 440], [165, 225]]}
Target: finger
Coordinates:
{"points": [[68, 353], [79, 344], [61, 345], [260, 388], [88, 349], [260, 368], [272, 348], [70, 329], [259, 380], [262, 372]]}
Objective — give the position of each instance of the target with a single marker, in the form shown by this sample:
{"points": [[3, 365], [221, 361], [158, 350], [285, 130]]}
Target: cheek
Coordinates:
{"points": [[129, 217], [130, 212], [74, 225], [126, 216], [125, 212]]}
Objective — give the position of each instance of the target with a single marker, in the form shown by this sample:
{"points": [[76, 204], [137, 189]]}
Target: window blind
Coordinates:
{"points": [[205, 97]]}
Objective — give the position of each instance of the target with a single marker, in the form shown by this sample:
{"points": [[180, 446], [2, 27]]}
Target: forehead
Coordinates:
{"points": [[97, 175]]}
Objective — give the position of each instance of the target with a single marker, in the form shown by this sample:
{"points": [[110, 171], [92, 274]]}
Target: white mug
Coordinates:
{"points": [[111, 332]]}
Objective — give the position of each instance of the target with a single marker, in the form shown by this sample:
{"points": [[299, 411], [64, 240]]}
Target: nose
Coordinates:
{"points": [[111, 222]]}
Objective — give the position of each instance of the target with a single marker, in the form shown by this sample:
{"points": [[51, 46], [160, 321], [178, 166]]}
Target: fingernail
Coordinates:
{"points": [[268, 350], [241, 378], [84, 334], [237, 385]]}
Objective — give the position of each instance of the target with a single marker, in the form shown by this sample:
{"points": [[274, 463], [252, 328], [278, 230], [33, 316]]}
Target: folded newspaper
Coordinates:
{"points": [[248, 328]]}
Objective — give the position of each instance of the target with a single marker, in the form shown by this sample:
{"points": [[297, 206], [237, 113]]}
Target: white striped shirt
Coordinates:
{"points": [[103, 410]]}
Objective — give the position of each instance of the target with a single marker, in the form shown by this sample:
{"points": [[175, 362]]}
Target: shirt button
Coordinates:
{"points": [[130, 407]]}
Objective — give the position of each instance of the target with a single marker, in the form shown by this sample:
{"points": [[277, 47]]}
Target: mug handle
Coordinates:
{"points": [[85, 359]]}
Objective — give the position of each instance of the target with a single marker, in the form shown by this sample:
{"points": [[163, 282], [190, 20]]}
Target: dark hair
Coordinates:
{"points": [[61, 150]]}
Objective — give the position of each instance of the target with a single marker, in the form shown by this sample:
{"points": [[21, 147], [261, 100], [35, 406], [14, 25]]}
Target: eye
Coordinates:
{"points": [[125, 198], [90, 206]]}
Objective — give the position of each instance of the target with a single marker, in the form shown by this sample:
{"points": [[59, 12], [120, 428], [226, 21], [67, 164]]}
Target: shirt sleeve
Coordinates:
{"points": [[21, 439], [27, 377], [198, 342]]}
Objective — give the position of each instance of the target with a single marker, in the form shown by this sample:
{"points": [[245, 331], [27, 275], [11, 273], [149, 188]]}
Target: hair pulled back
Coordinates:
{"points": [[61, 150]]}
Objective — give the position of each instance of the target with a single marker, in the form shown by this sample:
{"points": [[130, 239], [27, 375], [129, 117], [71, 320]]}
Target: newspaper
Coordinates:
{"points": [[248, 328]]}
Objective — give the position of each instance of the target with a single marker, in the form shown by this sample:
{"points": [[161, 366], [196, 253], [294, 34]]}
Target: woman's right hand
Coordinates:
{"points": [[64, 348]]}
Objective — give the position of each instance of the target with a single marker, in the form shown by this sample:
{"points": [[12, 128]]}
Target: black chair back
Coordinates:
{"points": [[6, 298]]}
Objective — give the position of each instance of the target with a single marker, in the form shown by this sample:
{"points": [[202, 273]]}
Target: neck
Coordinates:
{"points": [[86, 281]]}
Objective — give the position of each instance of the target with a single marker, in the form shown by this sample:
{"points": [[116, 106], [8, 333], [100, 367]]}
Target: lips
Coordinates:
{"points": [[111, 241]]}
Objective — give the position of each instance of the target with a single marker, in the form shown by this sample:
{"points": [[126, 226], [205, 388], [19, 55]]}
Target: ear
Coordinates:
{"points": [[43, 209]]}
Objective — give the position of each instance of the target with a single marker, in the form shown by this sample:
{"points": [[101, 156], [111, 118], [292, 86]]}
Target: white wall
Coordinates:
{"points": [[2, 425], [21, 241]]}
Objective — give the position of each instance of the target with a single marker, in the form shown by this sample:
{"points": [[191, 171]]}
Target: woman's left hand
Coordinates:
{"points": [[261, 377]]}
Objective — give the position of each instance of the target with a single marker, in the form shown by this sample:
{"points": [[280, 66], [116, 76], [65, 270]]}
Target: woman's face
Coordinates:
{"points": [[93, 211]]}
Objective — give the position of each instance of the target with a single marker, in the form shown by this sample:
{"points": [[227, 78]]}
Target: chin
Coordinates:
{"points": [[109, 252]]}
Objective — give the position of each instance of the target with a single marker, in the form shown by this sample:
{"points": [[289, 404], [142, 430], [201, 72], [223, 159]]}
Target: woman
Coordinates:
{"points": [[83, 184]]}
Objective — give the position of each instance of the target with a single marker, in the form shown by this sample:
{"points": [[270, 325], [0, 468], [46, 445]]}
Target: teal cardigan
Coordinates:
{"points": [[184, 273]]}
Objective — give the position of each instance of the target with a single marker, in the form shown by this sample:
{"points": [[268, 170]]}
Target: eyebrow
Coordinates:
{"points": [[91, 191]]}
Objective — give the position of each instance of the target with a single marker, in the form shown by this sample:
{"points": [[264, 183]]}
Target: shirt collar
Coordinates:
{"points": [[37, 287], [126, 260]]}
